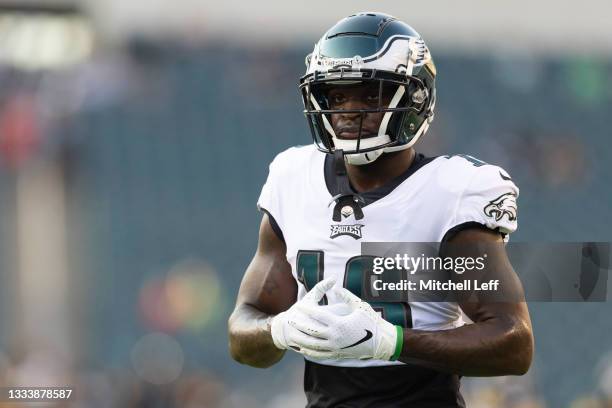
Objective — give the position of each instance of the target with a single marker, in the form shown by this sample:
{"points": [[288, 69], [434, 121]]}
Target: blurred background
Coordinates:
{"points": [[135, 137]]}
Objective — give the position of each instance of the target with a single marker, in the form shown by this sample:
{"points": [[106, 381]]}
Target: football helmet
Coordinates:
{"points": [[364, 49]]}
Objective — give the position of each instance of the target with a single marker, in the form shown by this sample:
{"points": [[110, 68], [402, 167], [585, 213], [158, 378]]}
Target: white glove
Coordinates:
{"points": [[284, 334], [358, 333]]}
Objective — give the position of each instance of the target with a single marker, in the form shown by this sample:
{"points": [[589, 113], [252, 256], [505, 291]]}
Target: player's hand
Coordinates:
{"points": [[358, 333], [284, 333]]}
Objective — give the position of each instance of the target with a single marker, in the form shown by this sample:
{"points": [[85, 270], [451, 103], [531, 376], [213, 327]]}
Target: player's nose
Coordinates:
{"points": [[352, 106]]}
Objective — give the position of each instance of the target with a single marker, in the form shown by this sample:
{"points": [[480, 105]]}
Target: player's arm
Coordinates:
{"points": [[267, 289], [499, 342]]}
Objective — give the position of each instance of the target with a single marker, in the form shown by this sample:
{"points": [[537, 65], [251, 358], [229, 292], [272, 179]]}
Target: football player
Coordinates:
{"points": [[369, 95]]}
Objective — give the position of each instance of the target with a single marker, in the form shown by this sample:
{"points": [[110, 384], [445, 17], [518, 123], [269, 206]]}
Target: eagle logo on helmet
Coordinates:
{"points": [[505, 204]]}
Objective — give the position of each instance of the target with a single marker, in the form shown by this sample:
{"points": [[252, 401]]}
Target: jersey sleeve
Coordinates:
{"points": [[269, 201], [489, 199]]}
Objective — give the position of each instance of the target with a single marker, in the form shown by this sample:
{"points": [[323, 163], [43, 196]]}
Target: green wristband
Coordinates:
{"points": [[399, 343]]}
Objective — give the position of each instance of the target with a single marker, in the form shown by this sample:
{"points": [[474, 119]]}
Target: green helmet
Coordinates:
{"points": [[367, 48]]}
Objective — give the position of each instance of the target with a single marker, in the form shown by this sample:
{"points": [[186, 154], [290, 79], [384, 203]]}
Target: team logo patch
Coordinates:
{"points": [[350, 230], [505, 204]]}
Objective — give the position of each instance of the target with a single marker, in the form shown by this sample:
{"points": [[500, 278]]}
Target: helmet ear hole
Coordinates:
{"points": [[411, 125]]}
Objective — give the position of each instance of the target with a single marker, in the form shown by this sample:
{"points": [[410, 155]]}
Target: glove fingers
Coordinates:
{"points": [[322, 355], [317, 312], [309, 326], [316, 294], [347, 297], [304, 341]]}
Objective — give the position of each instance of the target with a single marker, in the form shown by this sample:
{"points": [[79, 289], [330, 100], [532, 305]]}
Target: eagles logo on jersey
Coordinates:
{"points": [[504, 205], [350, 230]]}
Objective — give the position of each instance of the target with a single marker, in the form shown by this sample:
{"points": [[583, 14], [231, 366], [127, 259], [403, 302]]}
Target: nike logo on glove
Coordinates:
{"points": [[365, 338]]}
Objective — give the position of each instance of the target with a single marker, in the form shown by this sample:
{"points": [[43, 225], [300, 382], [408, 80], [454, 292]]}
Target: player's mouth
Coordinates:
{"points": [[353, 133]]}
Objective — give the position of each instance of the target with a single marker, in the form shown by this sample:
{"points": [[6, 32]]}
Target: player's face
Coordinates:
{"points": [[346, 125]]}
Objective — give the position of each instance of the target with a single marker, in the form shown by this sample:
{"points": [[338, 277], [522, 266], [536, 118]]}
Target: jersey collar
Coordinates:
{"points": [[376, 194]]}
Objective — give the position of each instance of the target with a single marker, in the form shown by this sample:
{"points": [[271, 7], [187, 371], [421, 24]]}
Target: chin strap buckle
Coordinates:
{"points": [[347, 202]]}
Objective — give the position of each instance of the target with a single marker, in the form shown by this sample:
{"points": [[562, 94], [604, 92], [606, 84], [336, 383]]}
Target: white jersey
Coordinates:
{"points": [[433, 197]]}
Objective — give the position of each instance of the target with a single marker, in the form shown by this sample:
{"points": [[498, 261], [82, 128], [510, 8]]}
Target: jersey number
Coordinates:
{"points": [[310, 271]]}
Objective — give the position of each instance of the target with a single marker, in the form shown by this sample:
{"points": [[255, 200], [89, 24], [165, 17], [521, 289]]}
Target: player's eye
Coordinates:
{"points": [[337, 99], [372, 98]]}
